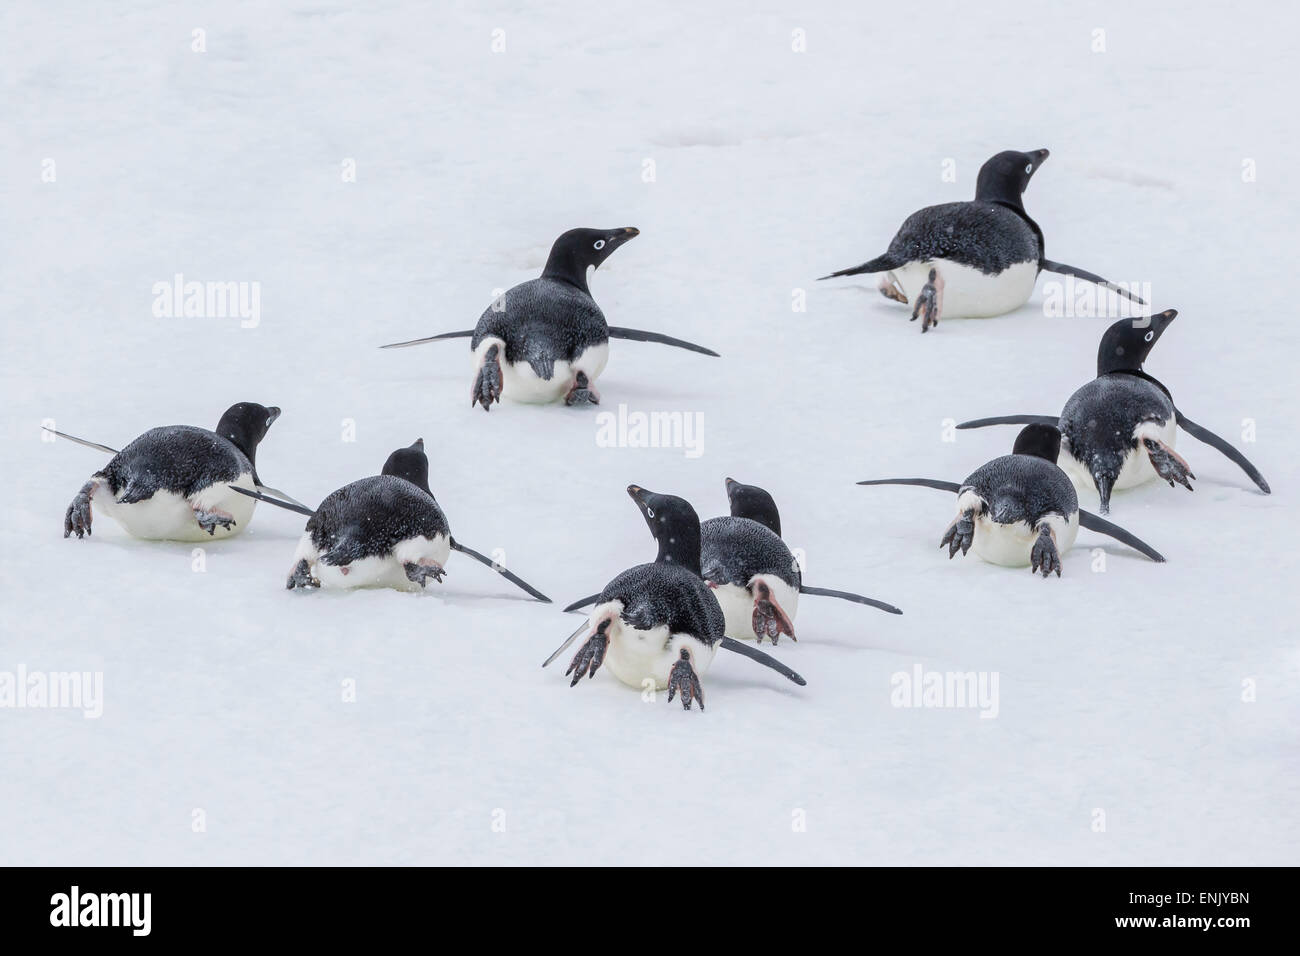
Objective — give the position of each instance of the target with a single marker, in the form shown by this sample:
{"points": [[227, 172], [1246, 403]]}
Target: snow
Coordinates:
{"points": [[1119, 691]]}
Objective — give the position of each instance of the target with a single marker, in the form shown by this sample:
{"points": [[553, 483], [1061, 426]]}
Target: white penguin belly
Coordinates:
{"points": [[1010, 545], [968, 292], [1137, 468], [634, 655], [380, 571], [738, 604], [519, 383], [167, 516]]}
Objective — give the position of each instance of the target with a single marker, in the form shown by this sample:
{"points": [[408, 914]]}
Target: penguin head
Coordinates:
{"points": [[1005, 177], [674, 524], [752, 502], [410, 463], [1042, 441], [245, 424], [577, 249], [1127, 343]]}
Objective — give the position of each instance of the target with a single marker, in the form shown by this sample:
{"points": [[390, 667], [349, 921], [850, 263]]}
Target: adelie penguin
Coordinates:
{"points": [[972, 259], [1020, 509], [1119, 430], [178, 482], [546, 339], [753, 573], [386, 531], [659, 624]]}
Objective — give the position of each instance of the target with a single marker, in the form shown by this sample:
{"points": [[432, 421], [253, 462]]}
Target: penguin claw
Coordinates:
{"points": [[420, 573], [301, 577], [209, 521], [890, 288], [768, 619], [589, 657], [929, 301], [1169, 465], [960, 535], [682, 678], [487, 384], [78, 516], [1044, 555], [581, 392]]}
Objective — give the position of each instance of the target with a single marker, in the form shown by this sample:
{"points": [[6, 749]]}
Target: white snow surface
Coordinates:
{"points": [[1120, 693]]}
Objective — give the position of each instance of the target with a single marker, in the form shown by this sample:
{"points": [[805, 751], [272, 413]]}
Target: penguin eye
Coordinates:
{"points": [[600, 243], [1150, 335], [1029, 168], [650, 512]]}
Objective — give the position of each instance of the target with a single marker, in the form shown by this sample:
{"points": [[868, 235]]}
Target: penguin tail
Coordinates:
{"points": [[463, 334], [1090, 521], [1011, 420], [849, 596], [767, 660], [1047, 265], [636, 335], [512, 578], [1104, 485], [879, 264]]}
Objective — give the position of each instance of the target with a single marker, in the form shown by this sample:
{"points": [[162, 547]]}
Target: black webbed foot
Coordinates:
{"points": [[682, 679], [301, 577], [960, 535], [210, 521], [929, 301], [1168, 464], [487, 384], [420, 573], [590, 656], [78, 516], [581, 392], [1044, 555]]}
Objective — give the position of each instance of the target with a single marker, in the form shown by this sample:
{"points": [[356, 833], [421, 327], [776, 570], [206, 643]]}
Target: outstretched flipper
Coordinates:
{"points": [[1047, 265], [1012, 420], [848, 596], [636, 335], [582, 603], [464, 334], [1093, 523], [883, 263], [919, 482], [82, 441], [287, 505], [567, 641], [753, 653], [1202, 433], [513, 579]]}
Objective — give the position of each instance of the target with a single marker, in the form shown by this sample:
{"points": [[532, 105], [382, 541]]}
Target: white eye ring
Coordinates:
{"points": [[1149, 336], [650, 512], [600, 243], [1029, 168]]}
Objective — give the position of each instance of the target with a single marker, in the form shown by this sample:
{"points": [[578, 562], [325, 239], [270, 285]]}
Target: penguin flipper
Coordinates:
{"points": [[1093, 523], [921, 482], [883, 263], [464, 334], [754, 654], [1047, 265], [636, 335], [287, 503], [512, 578], [1202, 433], [583, 603], [567, 641], [1012, 420], [848, 596], [82, 441]]}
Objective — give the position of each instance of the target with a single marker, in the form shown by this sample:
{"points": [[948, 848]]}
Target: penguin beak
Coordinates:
{"points": [[1164, 318], [1040, 156], [272, 414], [731, 483], [418, 444], [636, 493]]}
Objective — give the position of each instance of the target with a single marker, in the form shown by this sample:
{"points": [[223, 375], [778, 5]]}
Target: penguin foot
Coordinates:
{"points": [[1044, 555], [590, 656], [682, 679], [929, 301], [960, 535], [420, 573], [209, 521], [487, 384], [768, 618], [890, 288], [301, 577], [581, 392], [1169, 465], [78, 516]]}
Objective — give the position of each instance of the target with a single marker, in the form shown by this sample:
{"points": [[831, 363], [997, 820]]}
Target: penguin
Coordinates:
{"points": [[1020, 509], [660, 622], [386, 531], [752, 572], [546, 339], [1119, 430], [178, 482], [972, 259]]}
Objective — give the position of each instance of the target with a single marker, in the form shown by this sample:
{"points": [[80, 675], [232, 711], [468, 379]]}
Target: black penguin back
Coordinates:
{"points": [[733, 550], [659, 594], [369, 517], [543, 321], [182, 459]]}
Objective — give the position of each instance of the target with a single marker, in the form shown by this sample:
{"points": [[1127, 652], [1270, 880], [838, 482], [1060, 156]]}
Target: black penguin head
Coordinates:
{"points": [[577, 249], [674, 524], [752, 502], [1042, 441], [246, 424], [1126, 344], [410, 463], [1005, 177]]}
